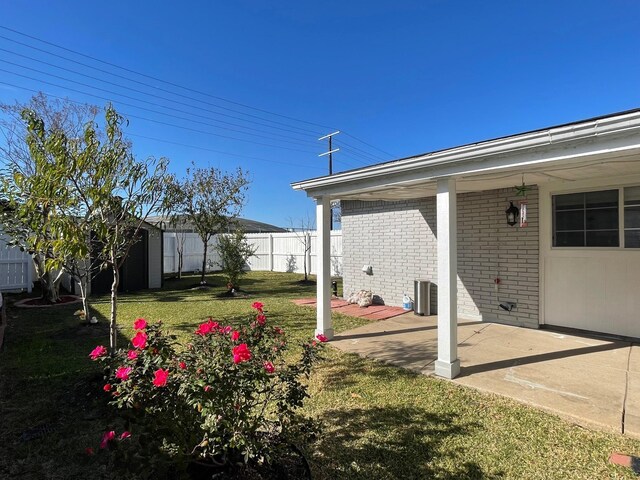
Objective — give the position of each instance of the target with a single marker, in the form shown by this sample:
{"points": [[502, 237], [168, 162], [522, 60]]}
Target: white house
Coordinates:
{"points": [[572, 261]]}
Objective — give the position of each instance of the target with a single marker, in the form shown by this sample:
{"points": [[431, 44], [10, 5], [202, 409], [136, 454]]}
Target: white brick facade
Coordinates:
{"points": [[399, 240]]}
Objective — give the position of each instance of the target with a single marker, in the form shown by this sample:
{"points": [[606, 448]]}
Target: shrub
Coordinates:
{"points": [[228, 397], [234, 252]]}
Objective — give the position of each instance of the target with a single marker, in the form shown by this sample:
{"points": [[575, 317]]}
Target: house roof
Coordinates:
{"points": [[563, 152], [248, 225]]}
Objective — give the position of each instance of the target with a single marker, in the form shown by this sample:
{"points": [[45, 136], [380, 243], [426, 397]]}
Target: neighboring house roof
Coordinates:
{"points": [[248, 225], [610, 136]]}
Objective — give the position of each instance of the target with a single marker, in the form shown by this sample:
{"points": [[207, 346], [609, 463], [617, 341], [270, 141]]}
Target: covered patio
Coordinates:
{"points": [[585, 288], [590, 381]]}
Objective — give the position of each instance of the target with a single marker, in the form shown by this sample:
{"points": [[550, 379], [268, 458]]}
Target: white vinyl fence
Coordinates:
{"points": [[16, 268], [277, 252]]}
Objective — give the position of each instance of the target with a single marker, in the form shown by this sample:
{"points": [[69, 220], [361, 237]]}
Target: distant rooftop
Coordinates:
{"points": [[248, 225]]}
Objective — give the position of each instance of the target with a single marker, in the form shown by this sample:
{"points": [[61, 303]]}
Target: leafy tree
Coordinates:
{"points": [[234, 250], [40, 211], [210, 199], [120, 192], [77, 201]]}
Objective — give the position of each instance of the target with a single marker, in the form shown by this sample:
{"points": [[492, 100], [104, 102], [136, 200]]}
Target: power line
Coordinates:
{"points": [[151, 95], [161, 80], [176, 143], [184, 88], [155, 121], [125, 96], [369, 145]]}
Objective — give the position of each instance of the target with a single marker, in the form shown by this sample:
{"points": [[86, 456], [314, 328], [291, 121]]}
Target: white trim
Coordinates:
{"points": [[619, 133]]}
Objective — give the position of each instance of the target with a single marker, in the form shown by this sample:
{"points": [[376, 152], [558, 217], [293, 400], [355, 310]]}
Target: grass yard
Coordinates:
{"points": [[380, 422]]}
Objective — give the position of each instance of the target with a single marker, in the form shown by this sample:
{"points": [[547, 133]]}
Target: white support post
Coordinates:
{"points": [[448, 364], [323, 267]]}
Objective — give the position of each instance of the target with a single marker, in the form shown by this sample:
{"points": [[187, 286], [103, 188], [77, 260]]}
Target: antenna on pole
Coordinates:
{"points": [[330, 151]]}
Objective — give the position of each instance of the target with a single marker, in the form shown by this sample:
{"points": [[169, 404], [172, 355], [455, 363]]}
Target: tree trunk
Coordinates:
{"points": [[204, 263], [83, 293], [48, 283], [113, 331], [180, 261]]}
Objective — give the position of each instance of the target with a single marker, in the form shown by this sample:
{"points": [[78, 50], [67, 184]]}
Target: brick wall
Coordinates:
{"points": [[399, 240]]}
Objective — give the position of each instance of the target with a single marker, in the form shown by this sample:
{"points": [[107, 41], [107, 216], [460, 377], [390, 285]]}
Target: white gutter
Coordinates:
{"points": [[617, 124]]}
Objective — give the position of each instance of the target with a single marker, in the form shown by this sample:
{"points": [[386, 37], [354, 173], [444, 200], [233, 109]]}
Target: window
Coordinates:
{"points": [[592, 219], [587, 219]]}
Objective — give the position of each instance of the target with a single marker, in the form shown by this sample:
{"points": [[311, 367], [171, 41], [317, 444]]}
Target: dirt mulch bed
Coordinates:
{"points": [[41, 303]]}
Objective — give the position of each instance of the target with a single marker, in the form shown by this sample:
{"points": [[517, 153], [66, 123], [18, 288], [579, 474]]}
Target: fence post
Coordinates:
{"points": [[271, 252], [308, 251], [29, 267]]}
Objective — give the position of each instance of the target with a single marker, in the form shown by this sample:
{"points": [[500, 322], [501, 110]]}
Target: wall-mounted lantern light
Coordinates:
{"points": [[368, 269], [512, 214]]}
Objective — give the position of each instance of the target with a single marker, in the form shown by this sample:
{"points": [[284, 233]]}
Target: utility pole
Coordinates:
{"points": [[330, 153]]}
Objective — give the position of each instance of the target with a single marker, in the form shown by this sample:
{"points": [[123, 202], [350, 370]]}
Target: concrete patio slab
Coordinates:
{"points": [[591, 381]]}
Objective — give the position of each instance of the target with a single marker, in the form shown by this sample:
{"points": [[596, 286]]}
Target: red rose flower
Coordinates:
{"points": [[98, 352], [107, 387], [140, 324], [122, 373], [269, 368], [261, 319], [140, 340], [182, 365], [124, 435], [241, 353], [235, 335], [322, 338], [132, 354], [106, 438], [207, 327], [160, 377], [258, 306], [207, 388]]}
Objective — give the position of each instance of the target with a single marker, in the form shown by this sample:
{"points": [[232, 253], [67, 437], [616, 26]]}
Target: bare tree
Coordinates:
{"points": [[302, 228], [210, 199]]}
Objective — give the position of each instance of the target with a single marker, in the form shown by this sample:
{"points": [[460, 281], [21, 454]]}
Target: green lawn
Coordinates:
{"points": [[379, 421]]}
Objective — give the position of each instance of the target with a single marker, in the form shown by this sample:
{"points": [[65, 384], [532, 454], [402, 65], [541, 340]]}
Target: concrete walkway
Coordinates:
{"points": [[590, 381]]}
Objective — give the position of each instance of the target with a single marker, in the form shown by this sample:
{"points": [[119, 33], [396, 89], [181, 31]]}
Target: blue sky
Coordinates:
{"points": [[405, 77]]}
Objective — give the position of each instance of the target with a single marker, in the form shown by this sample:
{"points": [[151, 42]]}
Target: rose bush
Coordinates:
{"points": [[227, 397]]}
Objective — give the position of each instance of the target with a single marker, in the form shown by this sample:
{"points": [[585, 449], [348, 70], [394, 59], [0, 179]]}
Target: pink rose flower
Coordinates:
{"points": [[132, 354], [269, 368], [106, 438], [322, 338], [207, 388], [122, 373], [235, 335], [241, 353], [107, 387], [160, 377], [98, 352], [182, 365], [261, 319], [258, 306], [124, 435], [140, 340], [227, 329], [140, 324]]}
